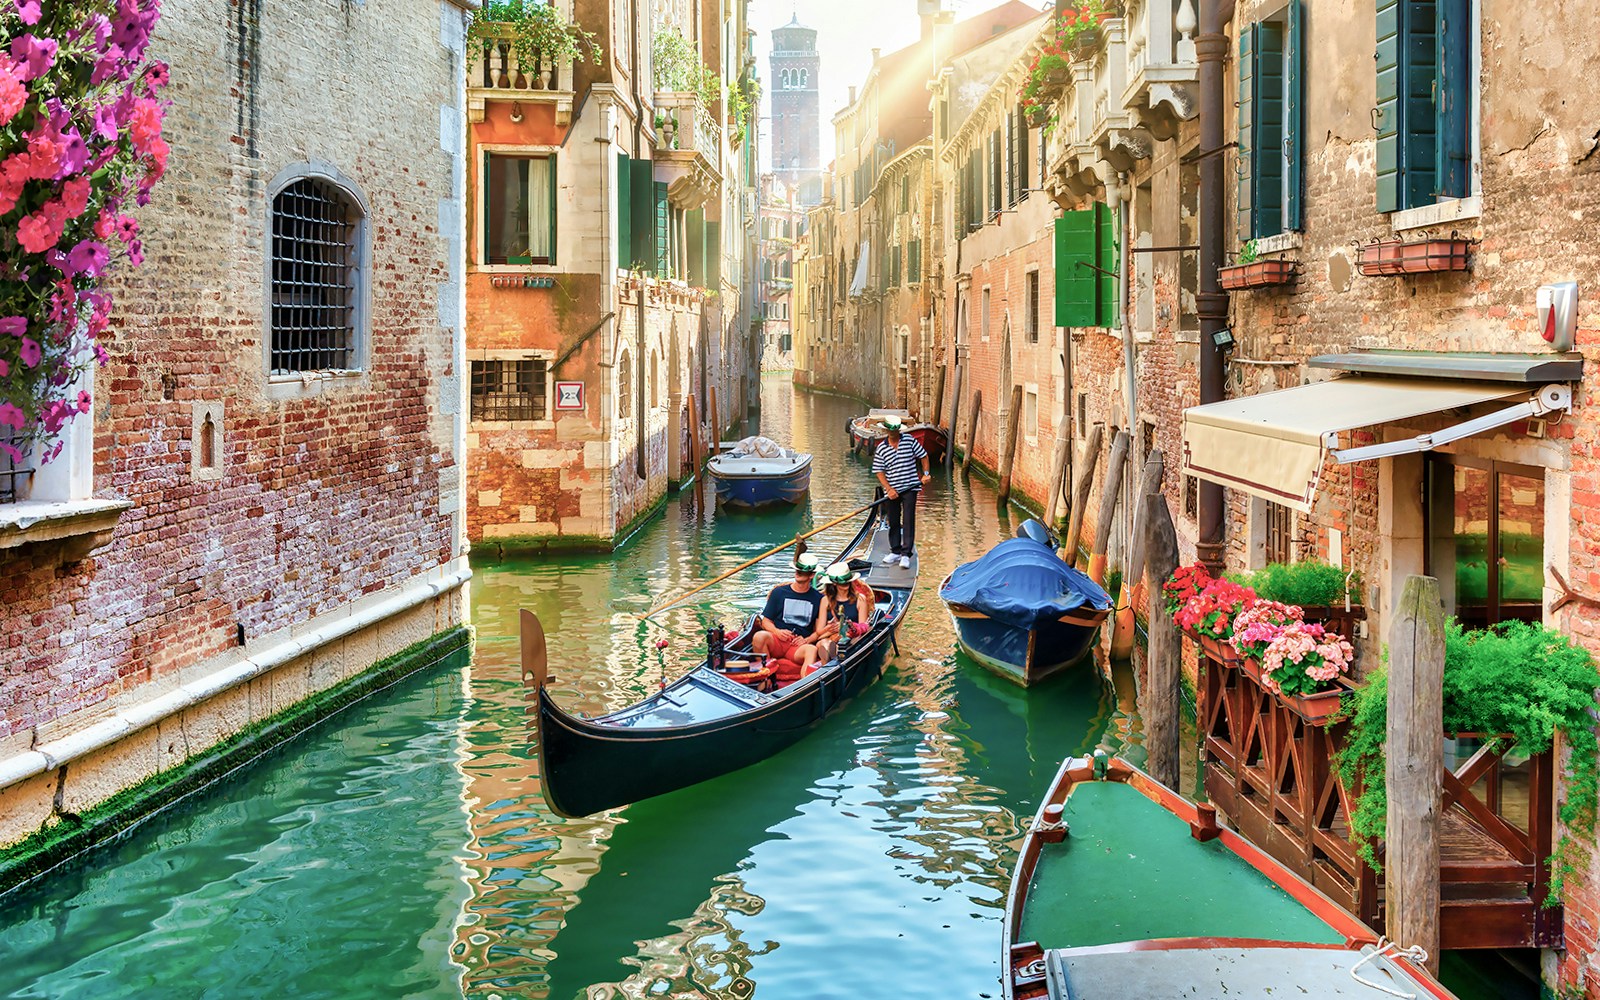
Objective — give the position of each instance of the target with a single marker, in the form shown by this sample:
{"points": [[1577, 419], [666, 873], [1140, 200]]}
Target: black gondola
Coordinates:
{"points": [[704, 724]]}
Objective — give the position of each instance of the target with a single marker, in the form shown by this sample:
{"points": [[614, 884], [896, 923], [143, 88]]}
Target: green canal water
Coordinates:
{"points": [[403, 849]]}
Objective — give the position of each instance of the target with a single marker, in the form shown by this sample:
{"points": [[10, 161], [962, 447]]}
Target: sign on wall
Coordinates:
{"points": [[569, 395]]}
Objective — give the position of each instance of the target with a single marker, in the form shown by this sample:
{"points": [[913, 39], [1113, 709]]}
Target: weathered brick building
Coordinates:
{"points": [[608, 289], [781, 223], [266, 499]]}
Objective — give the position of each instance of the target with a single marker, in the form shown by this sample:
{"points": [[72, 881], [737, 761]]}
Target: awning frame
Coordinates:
{"points": [[1549, 399]]}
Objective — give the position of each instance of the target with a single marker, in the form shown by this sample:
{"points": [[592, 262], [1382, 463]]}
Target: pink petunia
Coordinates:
{"points": [[13, 94], [14, 326], [12, 452], [89, 257], [5, 368], [28, 10], [84, 402], [30, 352], [144, 128], [35, 55], [11, 416]]}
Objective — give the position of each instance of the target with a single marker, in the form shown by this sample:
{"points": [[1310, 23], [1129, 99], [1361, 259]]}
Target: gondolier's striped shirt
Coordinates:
{"points": [[899, 465]]}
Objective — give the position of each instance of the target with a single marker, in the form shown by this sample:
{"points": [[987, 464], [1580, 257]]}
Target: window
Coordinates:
{"points": [[1485, 527], [510, 390], [14, 468], [1271, 124], [1030, 413], [1279, 533], [914, 261], [316, 278], [519, 209], [1191, 496], [996, 173], [1031, 320], [983, 318], [625, 387], [1427, 88]]}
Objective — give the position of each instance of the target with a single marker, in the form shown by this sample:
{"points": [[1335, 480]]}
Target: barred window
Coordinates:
{"points": [[316, 278], [1280, 532], [14, 472], [510, 390]]}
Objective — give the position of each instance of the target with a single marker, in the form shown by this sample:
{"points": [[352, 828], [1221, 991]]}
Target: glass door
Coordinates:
{"points": [[1485, 523]]}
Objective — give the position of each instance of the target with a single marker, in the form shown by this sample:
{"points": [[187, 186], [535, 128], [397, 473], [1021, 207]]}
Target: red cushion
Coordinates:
{"points": [[786, 671]]}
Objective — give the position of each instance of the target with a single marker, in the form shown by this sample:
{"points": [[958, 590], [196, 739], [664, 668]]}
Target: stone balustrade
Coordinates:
{"points": [[495, 72]]}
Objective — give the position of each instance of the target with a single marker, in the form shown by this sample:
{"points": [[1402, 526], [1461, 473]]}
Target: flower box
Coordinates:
{"points": [[1257, 274], [1387, 258], [1317, 709], [1216, 649]]}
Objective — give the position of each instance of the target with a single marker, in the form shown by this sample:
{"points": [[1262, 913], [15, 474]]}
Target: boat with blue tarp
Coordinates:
{"points": [[1124, 889], [759, 472], [1022, 611]]}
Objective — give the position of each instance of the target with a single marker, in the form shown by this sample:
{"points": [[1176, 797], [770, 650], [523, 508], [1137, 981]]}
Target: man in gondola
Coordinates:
{"points": [[790, 625], [901, 465]]}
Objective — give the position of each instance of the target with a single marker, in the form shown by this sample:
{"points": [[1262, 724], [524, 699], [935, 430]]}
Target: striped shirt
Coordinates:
{"points": [[899, 465]]}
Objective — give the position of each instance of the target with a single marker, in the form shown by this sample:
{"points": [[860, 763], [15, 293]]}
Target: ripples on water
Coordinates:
{"points": [[404, 848]]}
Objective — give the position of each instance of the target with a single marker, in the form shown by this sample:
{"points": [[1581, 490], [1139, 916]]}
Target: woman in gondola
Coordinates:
{"points": [[847, 600]]}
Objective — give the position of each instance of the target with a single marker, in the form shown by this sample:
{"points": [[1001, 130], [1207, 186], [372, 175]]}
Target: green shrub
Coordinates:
{"points": [[1308, 584]]}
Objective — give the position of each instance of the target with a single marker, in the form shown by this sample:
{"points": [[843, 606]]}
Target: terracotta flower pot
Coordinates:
{"points": [[1316, 709], [1387, 258], [1257, 274], [1215, 649]]}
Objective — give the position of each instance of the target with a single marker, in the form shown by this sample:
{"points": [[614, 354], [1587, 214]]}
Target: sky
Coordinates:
{"points": [[847, 31]]}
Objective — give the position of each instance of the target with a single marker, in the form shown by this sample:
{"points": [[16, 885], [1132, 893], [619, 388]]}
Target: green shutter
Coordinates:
{"points": [[624, 211], [1011, 159], [1266, 112], [643, 247], [1106, 258], [1294, 118], [1419, 122], [1247, 139], [1023, 157], [1388, 111], [1454, 95], [1076, 281], [555, 203], [695, 222], [663, 231], [714, 256]]}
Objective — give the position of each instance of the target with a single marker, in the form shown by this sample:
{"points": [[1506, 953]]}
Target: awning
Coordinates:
{"points": [[858, 284], [1273, 445]]}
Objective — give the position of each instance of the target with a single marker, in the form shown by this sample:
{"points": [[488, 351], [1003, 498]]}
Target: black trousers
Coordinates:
{"points": [[903, 509]]}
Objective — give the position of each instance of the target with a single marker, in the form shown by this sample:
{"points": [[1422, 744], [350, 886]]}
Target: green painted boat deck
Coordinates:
{"points": [[1130, 871]]}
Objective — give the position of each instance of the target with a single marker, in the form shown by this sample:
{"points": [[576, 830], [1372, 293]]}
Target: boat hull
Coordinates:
{"points": [[864, 438], [1025, 656], [751, 492]]}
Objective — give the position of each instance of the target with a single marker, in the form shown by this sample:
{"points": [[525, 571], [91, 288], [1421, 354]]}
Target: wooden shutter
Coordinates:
{"points": [[695, 223], [624, 211], [1294, 118], [1454, 90], [662, 230], [1106, 314], [1011, 159], [1266, 112], [995, 173], [714, 256], [555, 204], [644, 216], [1076, 283], [1023, 155], [1388, 111], [1247, 138], [1419, 122]]}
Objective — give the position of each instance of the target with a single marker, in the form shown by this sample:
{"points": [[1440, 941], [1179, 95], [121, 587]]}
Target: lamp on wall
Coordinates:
{"points": [[1223, 339]]}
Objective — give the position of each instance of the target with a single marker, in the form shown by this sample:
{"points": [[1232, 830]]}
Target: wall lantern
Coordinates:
{"points": [[1223, 339]]}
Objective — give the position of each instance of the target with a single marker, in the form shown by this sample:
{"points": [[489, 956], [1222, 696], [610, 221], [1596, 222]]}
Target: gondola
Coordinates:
{"points": [[748, 481], [866, 431], [705, 723], [1021, 611], [1123, 888]]}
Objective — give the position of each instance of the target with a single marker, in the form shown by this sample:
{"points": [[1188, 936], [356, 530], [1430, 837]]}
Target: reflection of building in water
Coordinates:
{"points": [[707, 957]]}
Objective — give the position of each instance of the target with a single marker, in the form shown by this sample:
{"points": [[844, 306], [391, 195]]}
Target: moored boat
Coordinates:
{"points": [[1021, 611], [866, 431], [758, 472], [710, 721], [1125, 889]]}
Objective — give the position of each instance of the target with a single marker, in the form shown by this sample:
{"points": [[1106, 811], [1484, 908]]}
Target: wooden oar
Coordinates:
{"points": [[765, 555]]}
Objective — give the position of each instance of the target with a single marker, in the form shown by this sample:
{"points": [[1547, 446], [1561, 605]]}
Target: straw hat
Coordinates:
{"points": [[842, 573], [891, 422], [806, 563]]}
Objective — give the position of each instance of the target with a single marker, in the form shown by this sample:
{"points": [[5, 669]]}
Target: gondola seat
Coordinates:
{"points": [[785, 672]]}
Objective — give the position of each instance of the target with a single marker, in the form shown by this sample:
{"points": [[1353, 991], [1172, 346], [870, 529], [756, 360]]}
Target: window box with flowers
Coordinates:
{"points": [[1073, 30], [80, 145], [1391, 257]]}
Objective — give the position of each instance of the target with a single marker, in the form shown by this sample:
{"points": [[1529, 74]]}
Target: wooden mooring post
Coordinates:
{"points": [[1058, 475], [1080, 496], [714, 446], [1415, 755], [1165, 655], [1133, 577], [1110, 493], [972, 429], [1008, 459], [938, 397]]}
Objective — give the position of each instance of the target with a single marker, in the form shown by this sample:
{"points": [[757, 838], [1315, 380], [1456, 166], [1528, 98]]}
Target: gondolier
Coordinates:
{"points": [[901, 465]]}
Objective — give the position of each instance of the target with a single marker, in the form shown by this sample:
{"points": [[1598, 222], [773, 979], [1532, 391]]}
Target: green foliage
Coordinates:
{"points": [[1519, 679], [743, 99], [536, 30], [1308, 584], [1248, 254], [679, 69]]}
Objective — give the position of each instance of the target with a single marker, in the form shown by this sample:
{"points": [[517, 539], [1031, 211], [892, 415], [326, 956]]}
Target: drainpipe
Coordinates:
{"points": [[1211, 50]]}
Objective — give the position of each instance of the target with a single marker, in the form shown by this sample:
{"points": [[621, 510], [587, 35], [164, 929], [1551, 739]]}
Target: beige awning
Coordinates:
{"points": [[1273, 445]]}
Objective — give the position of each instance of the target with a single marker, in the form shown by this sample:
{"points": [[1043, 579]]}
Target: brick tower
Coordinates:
{"points": [[796, 134]]}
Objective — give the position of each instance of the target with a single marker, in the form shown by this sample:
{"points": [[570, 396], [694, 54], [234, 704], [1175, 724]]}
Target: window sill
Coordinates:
{"points": [[305, 384], [1280, 242], [513, 425], [82, 526], [1445, 212]]}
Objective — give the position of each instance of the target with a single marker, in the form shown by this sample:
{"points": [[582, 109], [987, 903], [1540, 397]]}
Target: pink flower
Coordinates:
{"points": [[11, 416], [15, 454], [40, 231], [13, 95], [36, 55], [75, 196], [28, 11], [84, 402], [30, 352], [89, 258], [16, 326], [127, 228], [5, 368], [145, 125]]}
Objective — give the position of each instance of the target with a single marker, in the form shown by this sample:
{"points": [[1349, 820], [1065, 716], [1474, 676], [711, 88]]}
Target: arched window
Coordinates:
{"points": [[317, 251], [655, 394], [805, 78], [624, 387]]}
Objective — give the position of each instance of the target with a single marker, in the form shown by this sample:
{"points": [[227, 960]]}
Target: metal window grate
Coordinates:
{"points": [[510, 390], [1280, 529], [13, 474], [1033, 307], [313, 279], [1191, 496]]}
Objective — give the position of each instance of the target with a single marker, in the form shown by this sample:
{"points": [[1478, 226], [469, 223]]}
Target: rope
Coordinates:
{"points": [[1386, 948]]}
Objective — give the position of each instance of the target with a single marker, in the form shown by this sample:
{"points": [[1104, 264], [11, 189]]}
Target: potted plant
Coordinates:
{"points": [[1394, 256], [538, 33], [1253, 271], [1302, 664], [1208, 616], [1255, 628], [1326, 594]]}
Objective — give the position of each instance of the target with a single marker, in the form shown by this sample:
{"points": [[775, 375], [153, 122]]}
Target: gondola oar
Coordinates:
{"points": [[767, 554]]}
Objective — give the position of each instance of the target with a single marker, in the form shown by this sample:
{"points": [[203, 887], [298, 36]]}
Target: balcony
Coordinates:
{"points": [[496, 73], [1095, 136], [688, 149], [1162, 71]]}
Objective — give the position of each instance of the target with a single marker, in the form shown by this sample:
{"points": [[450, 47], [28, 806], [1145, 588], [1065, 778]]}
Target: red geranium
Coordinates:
{"points": [[1186, 582], [1211, 611]]}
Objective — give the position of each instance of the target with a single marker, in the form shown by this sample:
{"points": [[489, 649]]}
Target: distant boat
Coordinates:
{"points": [[865, 432], [1125, 889], [760, 473], [1021, 611], [709, 721]]}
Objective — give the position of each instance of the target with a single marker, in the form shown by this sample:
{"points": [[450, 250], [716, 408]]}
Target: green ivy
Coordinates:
{"points": [[1308, 584], [536, 29], [1520, 679]]}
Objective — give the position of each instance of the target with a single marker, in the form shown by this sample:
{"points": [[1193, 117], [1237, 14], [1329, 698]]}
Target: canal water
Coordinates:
{"points": [[403, 847]]}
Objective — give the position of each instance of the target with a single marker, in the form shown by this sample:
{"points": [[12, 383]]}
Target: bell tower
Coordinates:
{"points": [[796, 124]]}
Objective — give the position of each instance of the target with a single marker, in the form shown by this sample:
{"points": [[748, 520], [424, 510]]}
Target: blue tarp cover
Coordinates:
{"points": [[1023, 583]]}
